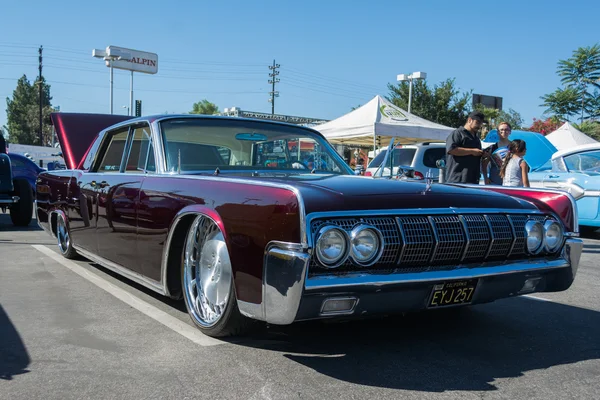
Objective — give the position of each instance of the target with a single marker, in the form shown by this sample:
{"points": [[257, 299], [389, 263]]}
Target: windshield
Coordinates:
{"points": [[197, 145], [588, 162]]}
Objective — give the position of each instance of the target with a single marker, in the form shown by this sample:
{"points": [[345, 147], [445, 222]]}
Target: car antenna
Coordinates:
{"points": [[179, 161]]}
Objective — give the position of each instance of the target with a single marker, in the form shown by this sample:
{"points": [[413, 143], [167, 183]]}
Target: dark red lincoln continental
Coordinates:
{"points": [[253, 220]]}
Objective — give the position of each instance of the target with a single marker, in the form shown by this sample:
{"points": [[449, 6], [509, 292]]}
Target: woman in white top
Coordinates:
{"points": [[514, 171]]}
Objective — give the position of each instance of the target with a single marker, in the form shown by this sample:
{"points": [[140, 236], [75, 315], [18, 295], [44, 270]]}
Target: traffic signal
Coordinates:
{"points": [[138, 108]]}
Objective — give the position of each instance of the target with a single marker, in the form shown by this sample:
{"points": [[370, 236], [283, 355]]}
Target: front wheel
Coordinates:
{"points": [[207, 280]]}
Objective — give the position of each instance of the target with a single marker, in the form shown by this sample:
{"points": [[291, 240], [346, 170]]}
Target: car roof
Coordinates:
{"points": [[576, 149]]}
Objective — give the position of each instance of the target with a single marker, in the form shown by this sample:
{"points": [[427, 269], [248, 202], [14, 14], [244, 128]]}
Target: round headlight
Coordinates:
{"points": [[332, 246], [554, 235], [366, 245], [534, 233]]}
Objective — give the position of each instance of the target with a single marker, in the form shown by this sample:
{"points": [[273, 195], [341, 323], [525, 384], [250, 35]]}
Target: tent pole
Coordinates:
{"points": [[374, 145]]}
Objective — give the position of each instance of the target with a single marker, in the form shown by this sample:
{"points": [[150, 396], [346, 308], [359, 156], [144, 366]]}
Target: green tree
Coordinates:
{"points": [[205, 107], [443, 103], [23, 112], [580, 71], [562, 103], [512, 117]]}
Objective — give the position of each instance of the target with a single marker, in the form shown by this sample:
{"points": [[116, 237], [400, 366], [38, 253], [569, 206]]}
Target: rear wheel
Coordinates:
{"points": [[64, 238], [207, 280], [21, 212]]}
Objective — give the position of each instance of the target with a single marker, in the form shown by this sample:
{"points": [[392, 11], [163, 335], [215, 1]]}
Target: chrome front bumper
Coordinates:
{"points": [[10, 200], [289, 295]]}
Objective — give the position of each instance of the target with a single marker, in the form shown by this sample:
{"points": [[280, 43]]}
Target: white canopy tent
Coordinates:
{"points": [[568, 136], [381, 118]]}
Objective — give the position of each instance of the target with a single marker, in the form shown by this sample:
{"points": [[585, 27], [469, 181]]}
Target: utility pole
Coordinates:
{"points": [[41, 97], [273, 81]]}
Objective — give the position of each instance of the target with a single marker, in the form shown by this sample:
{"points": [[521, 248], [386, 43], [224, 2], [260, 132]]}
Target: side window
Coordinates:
{"points": [[431, 156], [141, 152], [111, 161], [91, 154]]}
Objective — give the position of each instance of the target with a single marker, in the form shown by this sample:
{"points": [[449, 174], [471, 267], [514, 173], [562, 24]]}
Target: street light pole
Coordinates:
{"points": [[111, 85], [410, 78]]}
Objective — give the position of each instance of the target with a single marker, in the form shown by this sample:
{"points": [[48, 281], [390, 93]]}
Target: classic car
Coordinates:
{"points": [[576, 170], [226, 214], [16, 193], [23, 167]]}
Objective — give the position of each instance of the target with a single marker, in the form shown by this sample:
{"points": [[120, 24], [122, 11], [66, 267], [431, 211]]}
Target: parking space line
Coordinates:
{"points": [[167, 320]]}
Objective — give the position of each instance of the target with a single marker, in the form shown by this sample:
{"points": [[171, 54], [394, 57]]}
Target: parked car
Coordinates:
{"points": [[421, 157], [577, 171], [539, 149], [16, 193], [223, 213], [23, 167]]}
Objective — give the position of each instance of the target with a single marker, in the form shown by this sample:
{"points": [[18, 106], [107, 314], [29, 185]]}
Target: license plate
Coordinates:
{"points": [[452, 293]]}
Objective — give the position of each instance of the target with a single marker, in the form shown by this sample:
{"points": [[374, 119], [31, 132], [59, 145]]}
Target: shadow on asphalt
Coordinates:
{"points": [[14, 358], [6, 224], [443, 350]]}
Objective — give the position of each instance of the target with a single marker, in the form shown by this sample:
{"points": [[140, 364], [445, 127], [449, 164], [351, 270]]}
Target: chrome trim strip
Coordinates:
{"points": [[403, 237], [514, 235], [492, 238], [591, 193], [13, 199], [467, 237], [131, 275], [436, 237]]}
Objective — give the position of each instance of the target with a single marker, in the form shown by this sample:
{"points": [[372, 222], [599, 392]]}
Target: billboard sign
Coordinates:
{"points": [[133, 60], [488, 101]]}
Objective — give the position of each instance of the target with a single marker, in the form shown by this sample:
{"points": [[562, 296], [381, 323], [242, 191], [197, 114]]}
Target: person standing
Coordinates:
{"points": [[463, 148], [515, 171], [494, 156]]}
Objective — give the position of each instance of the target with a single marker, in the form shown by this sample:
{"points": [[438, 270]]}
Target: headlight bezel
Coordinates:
{"points": [[379, 246], [529, 226], [344, 255], [547, 224]]}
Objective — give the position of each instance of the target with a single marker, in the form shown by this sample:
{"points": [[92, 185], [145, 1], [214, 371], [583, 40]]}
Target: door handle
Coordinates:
{"points": [[553, 176]]}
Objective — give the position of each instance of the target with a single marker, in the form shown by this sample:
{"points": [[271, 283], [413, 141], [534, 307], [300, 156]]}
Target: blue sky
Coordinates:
{"points": [[333, 54]]}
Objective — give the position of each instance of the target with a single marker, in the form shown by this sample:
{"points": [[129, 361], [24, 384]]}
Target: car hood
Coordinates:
{"points": [[342, 193]]}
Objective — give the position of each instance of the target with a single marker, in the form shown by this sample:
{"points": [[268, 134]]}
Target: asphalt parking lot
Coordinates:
{"points": [[73, 330]]}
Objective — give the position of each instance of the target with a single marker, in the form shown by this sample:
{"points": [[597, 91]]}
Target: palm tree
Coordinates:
{"points": [[581, 70]]}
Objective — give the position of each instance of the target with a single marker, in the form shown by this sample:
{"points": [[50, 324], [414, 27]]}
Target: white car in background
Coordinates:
{"points": [[422, 157]]}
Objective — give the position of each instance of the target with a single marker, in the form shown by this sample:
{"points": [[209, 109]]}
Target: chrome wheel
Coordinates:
{"points": [[62, 235], [207, 279]]}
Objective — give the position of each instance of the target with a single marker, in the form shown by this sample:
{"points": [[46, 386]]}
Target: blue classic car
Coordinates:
{"points": [[576, 170], [23, 167]]}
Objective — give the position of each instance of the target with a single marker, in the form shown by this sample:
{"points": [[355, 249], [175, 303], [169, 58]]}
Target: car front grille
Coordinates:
{"points": [[418, 243]]}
